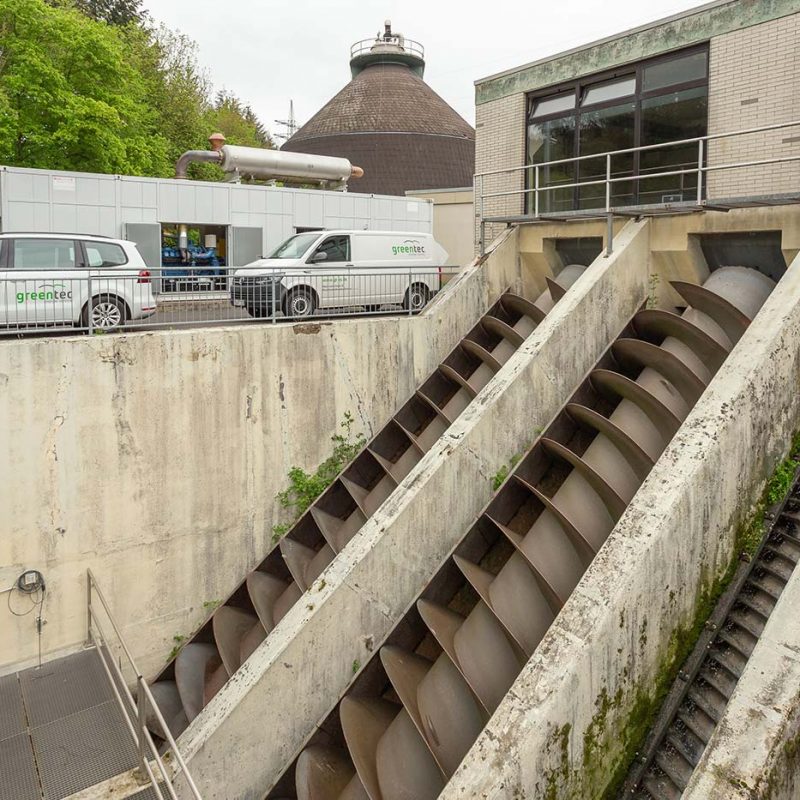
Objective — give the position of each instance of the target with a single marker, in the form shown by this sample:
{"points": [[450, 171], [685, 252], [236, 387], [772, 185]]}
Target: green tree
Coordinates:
{"points": [[237, 121], [69, 98], [94, 86], [114, 12]]}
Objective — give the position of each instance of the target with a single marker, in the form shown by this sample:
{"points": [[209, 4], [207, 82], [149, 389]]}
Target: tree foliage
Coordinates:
{"points": [[114, 12], [92, 85]]}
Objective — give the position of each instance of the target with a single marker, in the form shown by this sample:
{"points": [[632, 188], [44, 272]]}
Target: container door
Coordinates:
{"points": [[245, 246], [147, 237]]}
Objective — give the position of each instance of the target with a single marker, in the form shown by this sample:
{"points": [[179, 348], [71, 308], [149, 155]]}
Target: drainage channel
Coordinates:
{"points": [[422, 700], [243, 622], [707, 679]]}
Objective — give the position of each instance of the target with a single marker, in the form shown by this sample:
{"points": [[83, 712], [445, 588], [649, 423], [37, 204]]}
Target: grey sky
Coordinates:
{"points": [[269, 52]]}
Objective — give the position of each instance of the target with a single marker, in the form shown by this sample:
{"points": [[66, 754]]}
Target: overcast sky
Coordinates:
{"points": [[269, 53]]}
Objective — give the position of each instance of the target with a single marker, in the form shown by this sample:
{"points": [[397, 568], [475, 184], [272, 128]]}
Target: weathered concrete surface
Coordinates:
{"points": [[755, 750], [154, 458], [254, 727], [571, 718]]}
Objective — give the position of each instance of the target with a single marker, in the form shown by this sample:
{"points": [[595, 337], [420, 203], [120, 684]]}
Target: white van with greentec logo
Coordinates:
{"points": [[341, 270]]}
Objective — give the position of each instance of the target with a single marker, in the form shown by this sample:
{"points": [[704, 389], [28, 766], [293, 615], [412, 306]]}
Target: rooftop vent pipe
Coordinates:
{"points": [[257, 162]]}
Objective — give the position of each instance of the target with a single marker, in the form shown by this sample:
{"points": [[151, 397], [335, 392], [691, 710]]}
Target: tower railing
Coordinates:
{"points": [[366, 46]]}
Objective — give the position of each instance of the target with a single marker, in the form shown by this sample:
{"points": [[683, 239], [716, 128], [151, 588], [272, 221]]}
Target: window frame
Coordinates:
{"points": [[579, 85]]}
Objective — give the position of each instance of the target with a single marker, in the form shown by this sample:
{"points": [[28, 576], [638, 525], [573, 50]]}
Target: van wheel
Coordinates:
{"points": [[300, 302], [416, 297], [108, 313]]}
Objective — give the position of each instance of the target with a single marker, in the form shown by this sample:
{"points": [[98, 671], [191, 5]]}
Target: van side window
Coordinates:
{"points": [[43, 254], [337, 248], [104, 254]]}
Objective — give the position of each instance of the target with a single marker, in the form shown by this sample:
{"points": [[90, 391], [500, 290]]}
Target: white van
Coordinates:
{"points": [[341, 269]]}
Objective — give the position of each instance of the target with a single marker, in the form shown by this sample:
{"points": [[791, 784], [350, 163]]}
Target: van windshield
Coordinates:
{"points": [[295, 246]]}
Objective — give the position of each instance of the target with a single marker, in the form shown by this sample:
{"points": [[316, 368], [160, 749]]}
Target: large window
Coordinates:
{"points": [[653, 102]]}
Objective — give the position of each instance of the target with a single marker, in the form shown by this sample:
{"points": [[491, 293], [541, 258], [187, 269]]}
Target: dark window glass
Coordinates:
{"points": [[668, 118], [551, 141], [337, 248], [651, 106], [44, 254], [678, 70], [602, 131]]}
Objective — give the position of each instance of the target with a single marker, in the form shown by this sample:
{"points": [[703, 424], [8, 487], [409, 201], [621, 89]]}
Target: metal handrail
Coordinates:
{"points": [[641, 148], [700, 169], [407, 45], [136, 707]]}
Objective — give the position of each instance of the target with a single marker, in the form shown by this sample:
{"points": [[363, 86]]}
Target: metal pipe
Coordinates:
{"points": [[194, 157]]}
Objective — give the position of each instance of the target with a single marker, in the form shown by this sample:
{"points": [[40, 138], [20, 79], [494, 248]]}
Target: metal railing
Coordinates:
{"points": [[102, 301], [365, 46], [151, 765], [535, 185]]}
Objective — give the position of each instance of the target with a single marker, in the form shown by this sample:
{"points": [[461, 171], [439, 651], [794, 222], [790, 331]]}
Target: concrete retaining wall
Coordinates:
{"points": [[253, 728], [154, 458], [755, 750], [572, 717]]}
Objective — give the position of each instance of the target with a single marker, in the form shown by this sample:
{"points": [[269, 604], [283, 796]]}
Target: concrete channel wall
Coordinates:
{"points": [[154, 458], [755, 749], [252, 729], [572, 717]]}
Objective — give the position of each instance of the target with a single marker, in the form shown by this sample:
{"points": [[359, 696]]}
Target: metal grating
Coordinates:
{"points": [[64, 687], [82, 749], [12, 714], [18, 780]]}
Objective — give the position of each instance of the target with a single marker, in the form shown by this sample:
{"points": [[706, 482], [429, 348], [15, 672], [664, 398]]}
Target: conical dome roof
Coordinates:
{"points": [[388, 121]]}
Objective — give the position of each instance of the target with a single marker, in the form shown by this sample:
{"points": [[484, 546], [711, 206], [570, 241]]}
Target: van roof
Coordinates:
{"points": [[369, 233]]}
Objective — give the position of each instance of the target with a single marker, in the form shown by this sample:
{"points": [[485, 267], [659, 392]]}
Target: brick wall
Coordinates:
{"points": [[499, 143], [754, 80]]}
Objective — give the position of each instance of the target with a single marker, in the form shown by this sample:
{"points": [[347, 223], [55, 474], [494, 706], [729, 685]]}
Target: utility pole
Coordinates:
{"points": [[290, 124]]}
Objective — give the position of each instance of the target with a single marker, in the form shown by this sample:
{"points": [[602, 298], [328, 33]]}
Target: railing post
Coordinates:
{"points": [[88, 606], [609, 234], [536, 191], [608, 184], [483, 222], [89, 302], [141, 708], [700, 154]]}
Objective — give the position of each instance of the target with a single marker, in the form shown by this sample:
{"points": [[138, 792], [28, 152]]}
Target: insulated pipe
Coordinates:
{"points": [[193, 157], [263, 163]]}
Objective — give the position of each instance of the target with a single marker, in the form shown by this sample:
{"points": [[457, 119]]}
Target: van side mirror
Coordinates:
{"points": [[320, 255]]}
